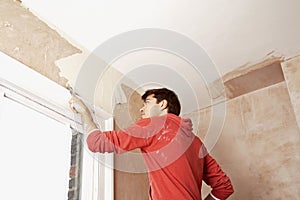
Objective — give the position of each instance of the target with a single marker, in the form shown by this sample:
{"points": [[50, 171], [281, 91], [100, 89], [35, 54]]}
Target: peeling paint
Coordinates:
{"points": [[29, 40]]}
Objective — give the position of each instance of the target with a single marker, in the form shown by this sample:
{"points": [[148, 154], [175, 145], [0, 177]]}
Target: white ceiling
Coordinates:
{"points": [[232, 33]]}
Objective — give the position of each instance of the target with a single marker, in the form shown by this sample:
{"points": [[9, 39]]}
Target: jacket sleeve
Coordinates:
{"points": [[216, 178], [135, 136]]}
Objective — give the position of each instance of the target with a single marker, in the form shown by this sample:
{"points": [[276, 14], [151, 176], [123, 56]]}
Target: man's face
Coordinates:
{"points": [[151, 108]]}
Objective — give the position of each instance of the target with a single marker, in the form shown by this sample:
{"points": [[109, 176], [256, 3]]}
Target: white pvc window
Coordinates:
{"points": [[34, 153], [35, 142]]}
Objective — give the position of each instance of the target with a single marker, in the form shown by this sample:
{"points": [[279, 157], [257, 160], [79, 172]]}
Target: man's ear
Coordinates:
{"points": [[163, 104]]}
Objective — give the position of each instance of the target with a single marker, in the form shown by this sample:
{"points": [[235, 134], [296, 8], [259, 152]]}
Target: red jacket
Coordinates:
{"points": [[177, 160]]}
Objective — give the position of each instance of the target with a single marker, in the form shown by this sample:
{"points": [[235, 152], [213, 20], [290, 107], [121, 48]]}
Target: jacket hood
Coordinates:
{"points": [[185, 124]]}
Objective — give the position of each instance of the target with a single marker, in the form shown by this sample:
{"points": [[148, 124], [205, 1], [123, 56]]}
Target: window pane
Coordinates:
{"points": [[35, 154]]}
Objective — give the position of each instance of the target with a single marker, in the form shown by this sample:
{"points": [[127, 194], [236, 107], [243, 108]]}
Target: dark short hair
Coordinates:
{"points": [[165, 94]]}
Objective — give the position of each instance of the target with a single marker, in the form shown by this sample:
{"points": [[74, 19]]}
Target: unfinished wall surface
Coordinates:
{"points": [[291, 70], [130, 179], [26, 38], [264, 74], [259, 146], [260, 143]]}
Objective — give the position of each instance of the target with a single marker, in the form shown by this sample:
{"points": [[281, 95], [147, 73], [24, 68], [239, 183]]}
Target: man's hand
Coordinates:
{"points": [[78, 107]]}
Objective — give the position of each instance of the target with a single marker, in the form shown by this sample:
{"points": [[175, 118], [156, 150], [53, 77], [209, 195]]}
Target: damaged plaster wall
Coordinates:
{"points": [[129, 167], [259, 144], [94, 80], [291, 69], [29, 40]]}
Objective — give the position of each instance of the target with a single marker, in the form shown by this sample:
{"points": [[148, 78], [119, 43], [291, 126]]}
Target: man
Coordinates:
{"points": [[176, 159]]}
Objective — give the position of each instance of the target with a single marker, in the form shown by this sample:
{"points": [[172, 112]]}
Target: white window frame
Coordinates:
{"points": [[33, 97]]}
